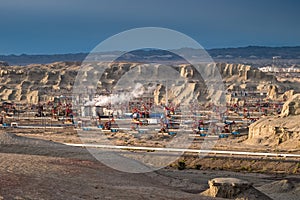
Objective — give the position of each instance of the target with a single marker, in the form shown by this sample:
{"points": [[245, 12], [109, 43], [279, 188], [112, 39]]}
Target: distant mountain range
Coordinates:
{"points": [[255, 55]]}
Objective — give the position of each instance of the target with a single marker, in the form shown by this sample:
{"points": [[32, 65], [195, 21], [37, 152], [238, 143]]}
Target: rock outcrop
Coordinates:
{"points": [[233, 188], [286, 95], [276, 132], [291, 106], [281, 131], [272, 92]]}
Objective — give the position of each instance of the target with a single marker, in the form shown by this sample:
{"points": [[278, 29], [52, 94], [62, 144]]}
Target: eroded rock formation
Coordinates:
{"points": [[291, 106], [272, 92], [233, 188], [280, 131], [35, 83]]}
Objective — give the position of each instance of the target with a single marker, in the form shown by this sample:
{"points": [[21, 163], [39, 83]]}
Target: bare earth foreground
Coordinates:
{"points": [[41, 169]]}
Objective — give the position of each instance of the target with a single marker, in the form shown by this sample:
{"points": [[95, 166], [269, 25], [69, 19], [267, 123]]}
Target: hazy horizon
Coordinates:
{"points": [[217, 48]]}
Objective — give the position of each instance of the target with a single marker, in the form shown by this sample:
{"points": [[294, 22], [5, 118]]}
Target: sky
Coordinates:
{"points": [[72, 26]]}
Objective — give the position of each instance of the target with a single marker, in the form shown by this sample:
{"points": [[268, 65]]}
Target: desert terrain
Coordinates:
{"points": [[41, 169], [36, 163]]}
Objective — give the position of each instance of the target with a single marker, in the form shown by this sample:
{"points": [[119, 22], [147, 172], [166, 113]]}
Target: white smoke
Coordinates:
{"points": [[117, 98]]}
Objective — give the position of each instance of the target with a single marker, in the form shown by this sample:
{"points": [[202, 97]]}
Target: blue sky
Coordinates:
{"points": [[70, 26]]}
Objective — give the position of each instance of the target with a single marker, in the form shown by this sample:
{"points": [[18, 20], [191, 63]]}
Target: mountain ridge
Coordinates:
{"points": [[246, 55]]}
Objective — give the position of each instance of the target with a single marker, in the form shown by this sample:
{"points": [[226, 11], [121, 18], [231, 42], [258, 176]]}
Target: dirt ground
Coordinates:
{"points": [[32, 168], [192, 161]]}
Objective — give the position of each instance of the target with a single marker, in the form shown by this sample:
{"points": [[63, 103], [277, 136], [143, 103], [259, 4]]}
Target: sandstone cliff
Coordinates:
{"points": [[33, 82], [40, 82], [240, 72]]}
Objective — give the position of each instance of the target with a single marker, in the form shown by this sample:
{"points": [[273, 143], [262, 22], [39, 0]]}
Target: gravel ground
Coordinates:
{"points": [[40, 169]]}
